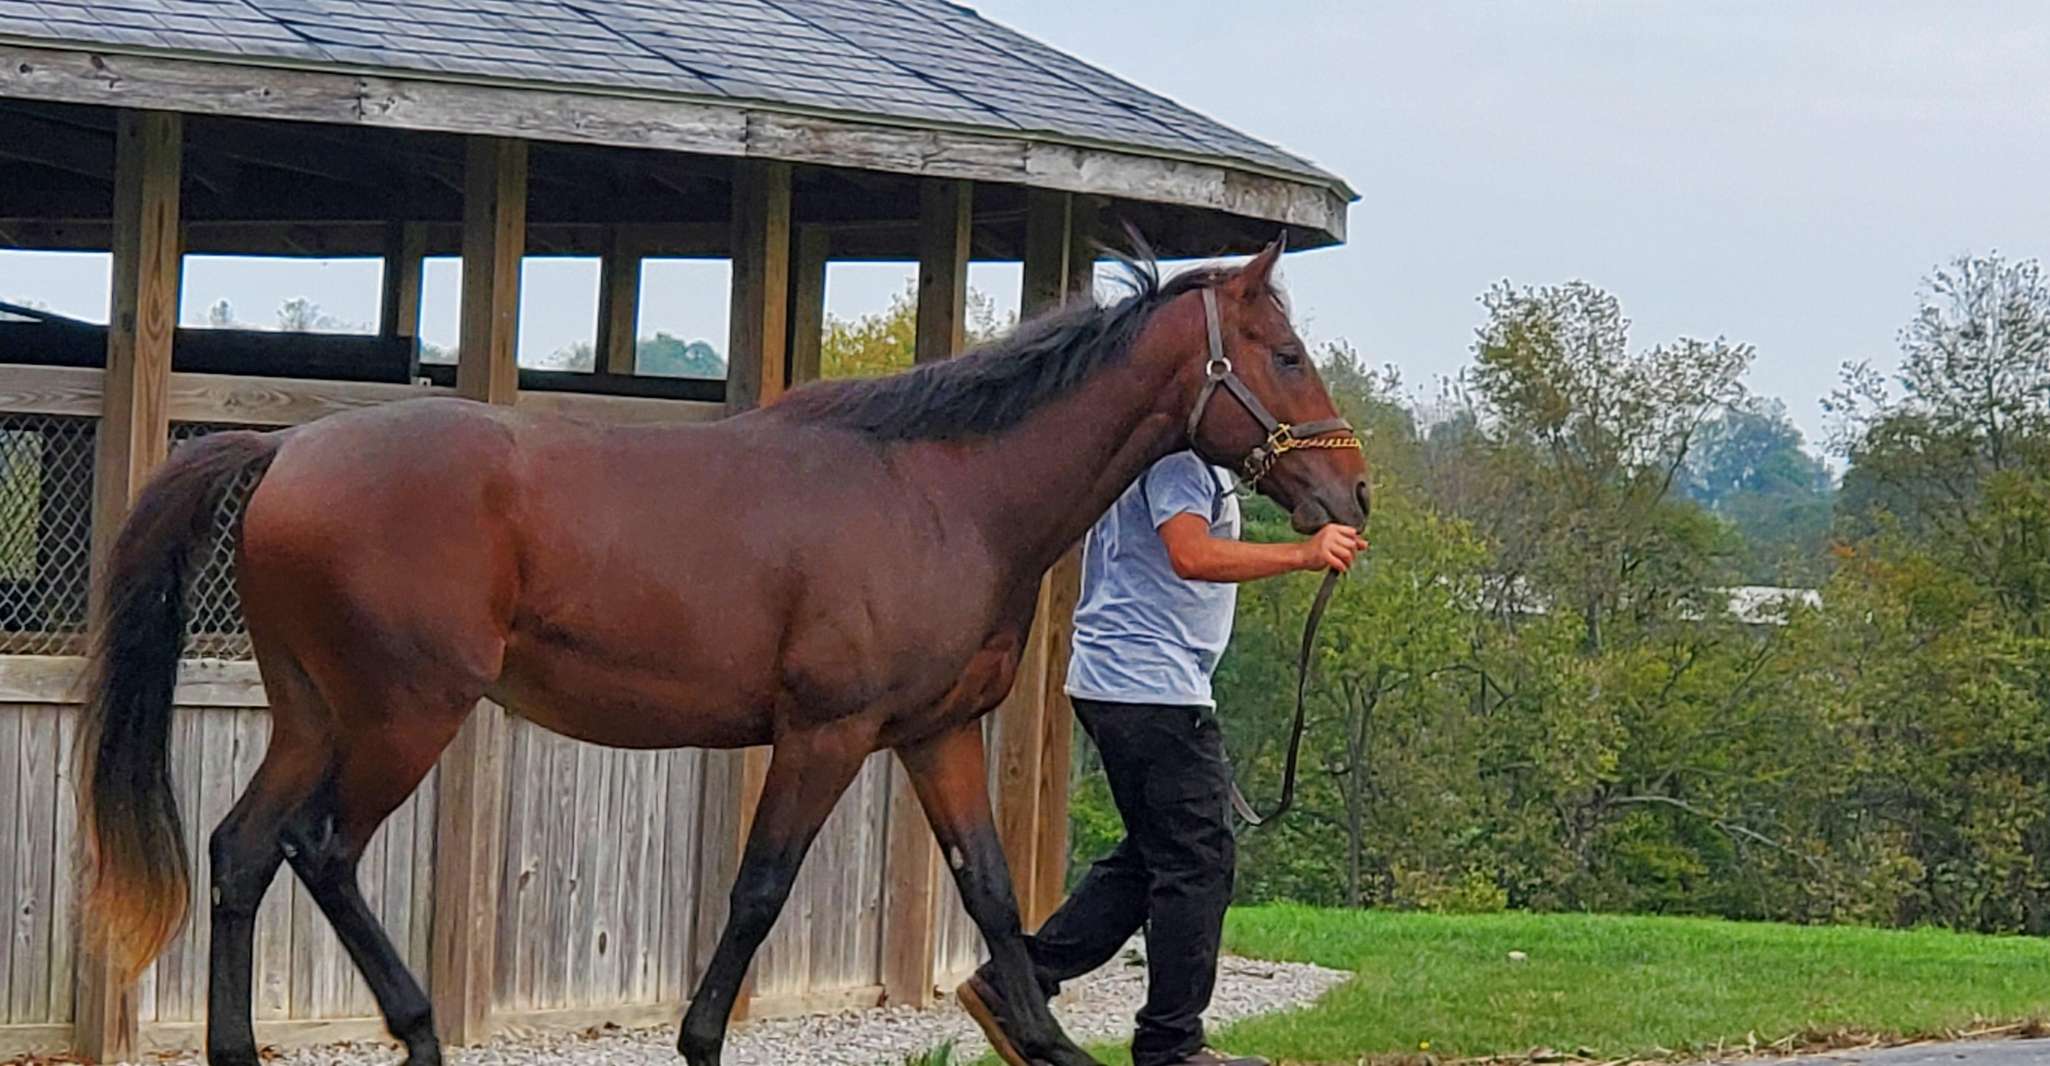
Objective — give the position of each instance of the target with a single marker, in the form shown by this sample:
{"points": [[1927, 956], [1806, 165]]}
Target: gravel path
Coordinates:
{"points": [[1097, 1007]]}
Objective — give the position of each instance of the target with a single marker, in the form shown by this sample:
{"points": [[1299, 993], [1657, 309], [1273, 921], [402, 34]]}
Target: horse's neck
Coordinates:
{"points": [[1041, 485]]}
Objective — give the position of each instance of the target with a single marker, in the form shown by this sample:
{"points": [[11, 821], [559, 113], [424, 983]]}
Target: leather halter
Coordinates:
{"points": [[1282, 437]]}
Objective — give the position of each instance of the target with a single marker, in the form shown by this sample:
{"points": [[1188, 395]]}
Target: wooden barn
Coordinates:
{"points": [[533, 880]]}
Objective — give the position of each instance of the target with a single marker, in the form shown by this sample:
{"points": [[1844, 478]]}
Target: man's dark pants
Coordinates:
{"points": [[1172, 873]]}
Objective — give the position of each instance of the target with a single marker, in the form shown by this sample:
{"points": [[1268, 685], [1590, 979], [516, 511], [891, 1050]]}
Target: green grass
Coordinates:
{"points": [[1619, 986]]}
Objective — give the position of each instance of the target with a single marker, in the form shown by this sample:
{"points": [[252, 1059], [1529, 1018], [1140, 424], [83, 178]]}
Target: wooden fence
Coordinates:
{"points": [[606, 911], [611, 867]]}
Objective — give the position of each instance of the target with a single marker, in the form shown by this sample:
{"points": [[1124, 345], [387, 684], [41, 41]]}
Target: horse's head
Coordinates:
{"points": [[1261, 408]]}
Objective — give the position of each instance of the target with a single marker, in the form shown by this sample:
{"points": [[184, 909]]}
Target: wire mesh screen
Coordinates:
{"points": [[46, 509], [214, 627]]}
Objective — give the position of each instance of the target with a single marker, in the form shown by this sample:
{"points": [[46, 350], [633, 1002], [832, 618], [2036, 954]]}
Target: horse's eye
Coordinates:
{"points": [[1288, 357]]}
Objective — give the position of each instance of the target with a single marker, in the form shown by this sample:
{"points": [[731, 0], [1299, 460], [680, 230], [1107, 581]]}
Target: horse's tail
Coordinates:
{"points": [[139, 874]]}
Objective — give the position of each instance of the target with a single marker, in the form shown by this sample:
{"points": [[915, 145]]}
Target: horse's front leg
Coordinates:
{"points": [[952, 783], [807, 773]]}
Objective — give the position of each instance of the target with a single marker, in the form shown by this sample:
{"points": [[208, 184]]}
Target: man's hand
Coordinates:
{"points": [[1332, 548]]}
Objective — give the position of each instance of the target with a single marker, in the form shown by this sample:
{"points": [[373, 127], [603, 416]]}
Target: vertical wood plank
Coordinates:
{"points": [[273, 978], [468, 816], [810, 249], [35, 864], [134, 434], [13, 727], [910, 916], [64, 852], [619, 303], [1021, 729], [910, 884], [683, 887], [875, 871], [1084, 219], [1048, 229], [757, 372], [1020, 745], [648, 907], [396, 889], [420, 953], [718, 826], [494, 239], [943, 231], [513, 983], [550, 987], [629, 803], [405, 264], [1063, 589], [466, 880], [759, 324]]}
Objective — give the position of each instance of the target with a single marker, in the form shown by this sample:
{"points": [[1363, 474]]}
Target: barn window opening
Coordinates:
{"points": [[685, 308], [281, 294]]}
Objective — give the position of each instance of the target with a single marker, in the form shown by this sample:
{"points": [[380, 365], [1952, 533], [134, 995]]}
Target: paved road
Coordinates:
{"points": [[1980, 1053]]}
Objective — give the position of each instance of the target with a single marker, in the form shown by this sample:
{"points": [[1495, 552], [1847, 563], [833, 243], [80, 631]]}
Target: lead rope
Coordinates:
{"points": [[1239, 802], [1281, 439]]}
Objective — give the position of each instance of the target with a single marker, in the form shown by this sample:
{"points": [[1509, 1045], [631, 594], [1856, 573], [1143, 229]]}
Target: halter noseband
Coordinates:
{"points": [[1282, 438]]}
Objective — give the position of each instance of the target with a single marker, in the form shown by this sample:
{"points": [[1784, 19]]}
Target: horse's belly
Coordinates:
{"points": [[625, 706]]}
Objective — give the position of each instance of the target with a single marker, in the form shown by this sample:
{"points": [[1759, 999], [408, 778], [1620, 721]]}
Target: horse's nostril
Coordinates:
{"points": [[1364, 493]]}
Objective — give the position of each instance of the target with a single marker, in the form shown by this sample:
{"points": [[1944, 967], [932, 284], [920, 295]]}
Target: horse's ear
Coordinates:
{"points": [[1256, 277]]}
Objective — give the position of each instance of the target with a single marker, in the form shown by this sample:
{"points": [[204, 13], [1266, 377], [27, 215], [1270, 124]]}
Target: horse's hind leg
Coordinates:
{"points": [[321, 793], [245, 851], [375, 769], [807, 774], [952, 782]]}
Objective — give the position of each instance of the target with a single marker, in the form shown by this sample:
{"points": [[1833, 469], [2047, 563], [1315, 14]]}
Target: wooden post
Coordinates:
{"points": [[134, 438], [468, 816], [405, 260], [756, 367], [910, 866], [912, 862], [619, 304], [1063, 589], [494, 240], [809, 251], [943, 229], [757, 371], [1047, 254], [1021, 729]]}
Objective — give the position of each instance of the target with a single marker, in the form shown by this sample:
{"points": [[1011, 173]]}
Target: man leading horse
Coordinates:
{"points": [[657, 587], [1160, 574]]}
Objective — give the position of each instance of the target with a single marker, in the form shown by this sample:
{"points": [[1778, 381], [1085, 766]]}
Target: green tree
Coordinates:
{"points": [[883, 342], [1597, 434], [1954, 453], [1752, 469]]}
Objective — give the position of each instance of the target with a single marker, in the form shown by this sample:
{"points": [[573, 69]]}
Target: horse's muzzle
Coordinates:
{"points": [[1350, 509]]}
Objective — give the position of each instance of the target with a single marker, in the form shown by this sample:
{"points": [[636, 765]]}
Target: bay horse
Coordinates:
{"points": [[849, 569]]}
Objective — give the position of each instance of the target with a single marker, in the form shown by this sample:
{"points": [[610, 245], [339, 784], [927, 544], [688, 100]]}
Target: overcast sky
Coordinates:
{"points": [[1781, 174]]}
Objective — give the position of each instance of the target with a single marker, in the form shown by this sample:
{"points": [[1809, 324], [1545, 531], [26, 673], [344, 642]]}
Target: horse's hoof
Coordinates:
{"points": [[979, 1000]]}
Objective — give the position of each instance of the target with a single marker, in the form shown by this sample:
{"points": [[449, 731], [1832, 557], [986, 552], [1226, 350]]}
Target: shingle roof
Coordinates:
{"points": [[911, 60]]}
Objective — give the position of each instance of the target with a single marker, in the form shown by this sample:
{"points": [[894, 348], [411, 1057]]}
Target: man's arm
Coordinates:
{"points": [[1198, 556]]}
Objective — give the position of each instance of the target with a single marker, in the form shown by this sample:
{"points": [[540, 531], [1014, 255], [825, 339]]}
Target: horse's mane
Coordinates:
{"points": [[996, 385]]}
